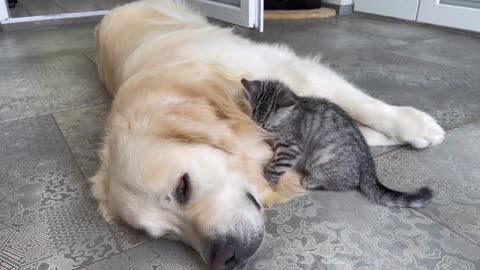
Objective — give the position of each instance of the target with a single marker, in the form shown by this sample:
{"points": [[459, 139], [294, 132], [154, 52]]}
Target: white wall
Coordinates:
{"points": [[339, 2]]}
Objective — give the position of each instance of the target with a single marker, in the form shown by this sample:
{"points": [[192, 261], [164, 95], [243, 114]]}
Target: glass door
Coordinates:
{"points": [[462, 14], [246, 13], [3, 10]]}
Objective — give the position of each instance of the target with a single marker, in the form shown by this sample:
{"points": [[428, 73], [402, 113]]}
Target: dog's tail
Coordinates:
{"points": [[375, 190]]}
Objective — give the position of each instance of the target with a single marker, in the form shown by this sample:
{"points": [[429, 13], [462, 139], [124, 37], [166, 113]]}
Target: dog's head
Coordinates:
{"points": [[174, 171]]}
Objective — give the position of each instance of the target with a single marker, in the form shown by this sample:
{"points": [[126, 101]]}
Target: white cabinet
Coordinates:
{"points": [[402, 9], [461, 14]]}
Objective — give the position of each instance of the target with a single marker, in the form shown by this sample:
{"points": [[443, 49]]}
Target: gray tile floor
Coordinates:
{"points": [[52, 111], [26, 8]]}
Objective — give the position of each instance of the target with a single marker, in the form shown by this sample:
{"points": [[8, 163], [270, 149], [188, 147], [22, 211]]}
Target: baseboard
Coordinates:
{"points": [[340, 9]]}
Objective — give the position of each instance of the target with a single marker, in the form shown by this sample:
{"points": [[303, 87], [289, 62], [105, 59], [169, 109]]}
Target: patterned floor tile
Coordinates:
{"points": [[126, 236], [48, 219], [462, 54], [83, 130], [40, 85], [452, 169], [45, 7], [448, 94], [27, 139], [91, 54], [47, 216], [329, 230], [155, 255], [56, 40], [387, 28], [381, 150], [76, 6], [309, 37]]}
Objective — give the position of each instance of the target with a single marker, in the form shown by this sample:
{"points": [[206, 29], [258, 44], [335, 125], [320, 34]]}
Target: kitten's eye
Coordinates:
{"points": [[182, 192]]}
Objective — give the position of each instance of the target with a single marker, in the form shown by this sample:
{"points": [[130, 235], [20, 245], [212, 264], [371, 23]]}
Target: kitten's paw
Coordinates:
{"points": [[271, 179], [304, 183], [417, 128], [308, 184]]}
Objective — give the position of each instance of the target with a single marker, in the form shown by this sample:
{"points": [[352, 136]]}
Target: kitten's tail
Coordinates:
{"points": [[375, 190]]}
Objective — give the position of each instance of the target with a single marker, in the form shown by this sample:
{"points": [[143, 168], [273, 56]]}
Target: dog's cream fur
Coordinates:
{"points": [[177, 109]]}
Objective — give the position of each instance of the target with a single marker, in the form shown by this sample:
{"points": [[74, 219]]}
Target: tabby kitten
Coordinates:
{"points": [[319, 139]]}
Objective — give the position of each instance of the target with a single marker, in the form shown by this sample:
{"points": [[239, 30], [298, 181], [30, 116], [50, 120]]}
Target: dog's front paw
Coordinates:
{"points": [[417, 128]]}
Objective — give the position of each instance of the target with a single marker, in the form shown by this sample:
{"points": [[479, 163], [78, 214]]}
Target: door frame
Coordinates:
{"points": [[249, 14]]}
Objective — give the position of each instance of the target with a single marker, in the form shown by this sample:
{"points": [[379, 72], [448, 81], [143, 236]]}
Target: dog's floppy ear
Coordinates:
{"points": [[200, 124], [202, 133], [250, 87]]}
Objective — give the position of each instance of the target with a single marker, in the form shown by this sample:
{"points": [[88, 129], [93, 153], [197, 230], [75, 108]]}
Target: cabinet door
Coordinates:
{"points": [[402, 9], [462, 14]]}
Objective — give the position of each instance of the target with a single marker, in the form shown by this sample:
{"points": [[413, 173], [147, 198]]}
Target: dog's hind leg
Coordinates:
{"points": [[377, 138], [395, 124]]}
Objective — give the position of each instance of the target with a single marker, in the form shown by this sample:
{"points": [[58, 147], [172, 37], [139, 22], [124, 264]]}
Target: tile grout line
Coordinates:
{"points": [[444, 226], [389, 49], [117, 244], [85, 55], [438, 28], [68, 146], [446, 130], [461, 125], [39, 55], [388, 152], [52, 113], [424, 214], [59, 6], [108, 257], [408, 42]]}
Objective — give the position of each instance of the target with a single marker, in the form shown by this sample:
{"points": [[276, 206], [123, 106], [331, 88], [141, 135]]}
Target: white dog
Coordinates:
{"points": [[181, 158]]}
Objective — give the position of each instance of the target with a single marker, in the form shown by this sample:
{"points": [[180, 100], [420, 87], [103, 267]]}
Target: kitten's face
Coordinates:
{"points": [[271, 102]]}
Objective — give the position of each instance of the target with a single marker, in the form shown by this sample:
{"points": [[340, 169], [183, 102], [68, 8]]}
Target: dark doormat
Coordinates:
{"points": [[292, 4]]}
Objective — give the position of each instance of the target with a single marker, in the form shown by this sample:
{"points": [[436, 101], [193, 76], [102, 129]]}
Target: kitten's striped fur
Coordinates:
{"points": [[319, 139]]}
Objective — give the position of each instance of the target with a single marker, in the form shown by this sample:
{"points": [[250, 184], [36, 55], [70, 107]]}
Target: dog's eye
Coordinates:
{"points": [[182, 192]]}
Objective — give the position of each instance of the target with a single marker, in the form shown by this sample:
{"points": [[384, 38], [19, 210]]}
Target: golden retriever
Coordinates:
{"points": [[181, 158]]}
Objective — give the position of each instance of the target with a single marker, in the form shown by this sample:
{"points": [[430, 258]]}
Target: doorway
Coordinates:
{"points": [[246, 13]]}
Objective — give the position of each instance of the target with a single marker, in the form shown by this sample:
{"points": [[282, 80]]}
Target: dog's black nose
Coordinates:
{"points": [[230, 252], [223, 258]]}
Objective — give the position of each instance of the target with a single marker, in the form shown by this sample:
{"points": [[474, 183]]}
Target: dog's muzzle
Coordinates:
{"points": [[228, 253]]}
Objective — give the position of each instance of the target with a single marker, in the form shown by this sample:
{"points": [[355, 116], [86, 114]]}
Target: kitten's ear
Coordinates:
{"points": [[286, 99], [246, 94], [251, 86]]}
